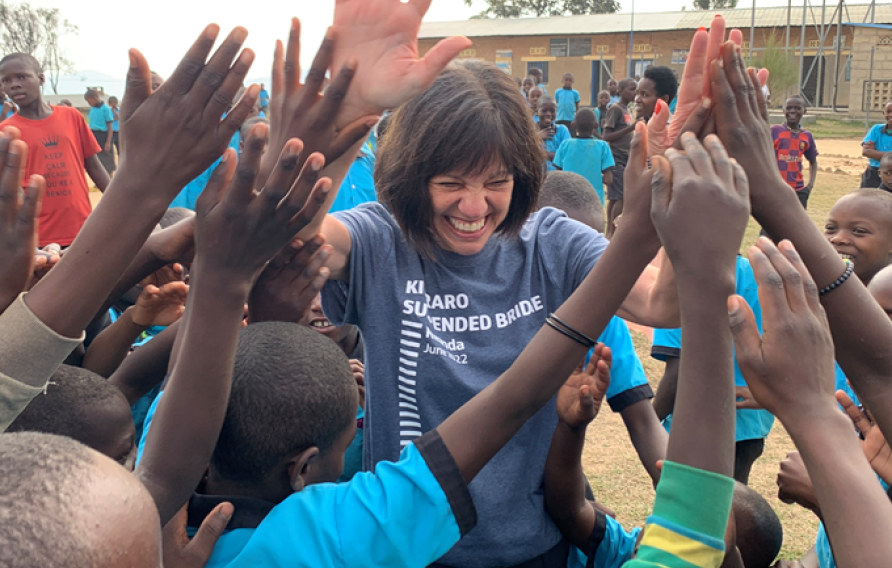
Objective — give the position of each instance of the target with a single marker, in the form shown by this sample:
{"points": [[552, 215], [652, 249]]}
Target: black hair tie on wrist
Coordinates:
{"points": [[850, 268], [559, 325]]}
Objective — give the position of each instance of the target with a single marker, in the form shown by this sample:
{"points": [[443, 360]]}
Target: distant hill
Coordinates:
{"points": [[75, 84]]}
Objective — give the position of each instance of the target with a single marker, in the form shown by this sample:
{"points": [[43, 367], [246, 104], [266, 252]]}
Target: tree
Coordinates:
{"points": [[783, 72], [538, 8], [715, 4], [36, 31]]}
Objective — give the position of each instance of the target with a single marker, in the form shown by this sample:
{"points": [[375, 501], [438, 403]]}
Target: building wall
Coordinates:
{"points": [[862, 96], [516, 53]]}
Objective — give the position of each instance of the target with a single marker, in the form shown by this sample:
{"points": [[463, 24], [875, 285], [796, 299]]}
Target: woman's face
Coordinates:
{"points": [[467, 209]]}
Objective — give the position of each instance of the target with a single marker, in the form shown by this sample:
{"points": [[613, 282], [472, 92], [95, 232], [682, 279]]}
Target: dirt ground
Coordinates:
{"points": [[842, 156]]}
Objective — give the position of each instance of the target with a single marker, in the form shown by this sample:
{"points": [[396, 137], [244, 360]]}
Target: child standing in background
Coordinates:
{"points": [[791, 144], [567, 100], [601, 111], [536, 74], [551, 134], [101, 121], [113, 104], [877, 142], [586, 155]]}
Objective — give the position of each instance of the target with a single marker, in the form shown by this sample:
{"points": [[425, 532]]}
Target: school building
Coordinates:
{"points": [[599, 47]]}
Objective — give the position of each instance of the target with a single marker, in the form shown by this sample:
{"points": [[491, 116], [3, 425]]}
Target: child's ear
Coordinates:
{"points": [[298, 467]]}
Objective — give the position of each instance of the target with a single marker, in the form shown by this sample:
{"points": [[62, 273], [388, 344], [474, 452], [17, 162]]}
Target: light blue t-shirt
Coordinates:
{"points": [[613, 101], [566, 99], [614, 548], [543, 89], [561, 133], [628, 383], [188, 196], [882, 140], [358, 186], [115, 121], [588, 157], [436, 333], [264, 98], [751, 424], [100, 117]]}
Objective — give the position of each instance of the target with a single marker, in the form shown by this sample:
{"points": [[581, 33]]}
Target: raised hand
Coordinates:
{"points": [[290, 282], [18, 220], [178, 131], [789, 369], [176, 243], [579, 400], [299, 111], [383, 37], [876, 448], [160, 306], [637, 189], [794, 485], [701, 192]]}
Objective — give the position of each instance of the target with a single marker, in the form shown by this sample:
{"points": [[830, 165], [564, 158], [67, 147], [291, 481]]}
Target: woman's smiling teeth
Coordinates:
{"points": [[467, 227]]}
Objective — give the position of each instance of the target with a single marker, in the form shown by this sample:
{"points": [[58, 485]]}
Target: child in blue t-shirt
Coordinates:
{"points": [[101, 120], [877, 142], [601, 110], [587, 155], [551, 134], [113, 105], [567, 99]]}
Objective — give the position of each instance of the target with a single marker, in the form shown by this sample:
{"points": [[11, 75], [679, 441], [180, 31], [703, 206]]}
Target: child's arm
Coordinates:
{"points": [[790, 372], [109, 130], [607, 175], [578, 403], [812, 155], [97, 173], [664, 400], [162, 151], [868, 150], [612, 134], [648, 436], [862, 331], [155, 306], [146, 367], [236, 233]]}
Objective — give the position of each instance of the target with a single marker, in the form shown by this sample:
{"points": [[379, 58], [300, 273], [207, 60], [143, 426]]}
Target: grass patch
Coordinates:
{"points": [[610, 461], [827, 127]]}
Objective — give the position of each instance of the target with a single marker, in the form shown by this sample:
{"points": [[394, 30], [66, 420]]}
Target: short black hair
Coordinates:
{"points": [[882, 198], [292, 389], [174, 215], [547, 100], [622, 84], [759, 531], [567, 191], [29, 60], [91, 93], [72, 400], [113, 98], [664, 79], [42, 491], [887, 157], [585, 120]]}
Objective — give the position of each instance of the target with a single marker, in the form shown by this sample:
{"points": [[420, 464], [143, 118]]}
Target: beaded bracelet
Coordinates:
{"points": [[559, 325], [850, 268]]}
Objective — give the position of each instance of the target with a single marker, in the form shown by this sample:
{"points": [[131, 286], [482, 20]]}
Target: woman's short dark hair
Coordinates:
{"points": [[665, 82], [472, 116]]}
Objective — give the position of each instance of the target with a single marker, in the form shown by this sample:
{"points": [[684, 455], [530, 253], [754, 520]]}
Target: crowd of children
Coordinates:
{"points": [[295, 333]]}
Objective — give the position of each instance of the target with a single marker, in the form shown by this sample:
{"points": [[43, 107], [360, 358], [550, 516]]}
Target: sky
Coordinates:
{"points": [[164, 29]]}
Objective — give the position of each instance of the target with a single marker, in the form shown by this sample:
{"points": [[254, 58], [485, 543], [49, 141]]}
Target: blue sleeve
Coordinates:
{"points": [[559, 155], [666, 344], [141, 446], [109, 115], [873, 135], [607, 161], [609, 546], [628, 383], [405, 515], [561, 135], [373, 235]]}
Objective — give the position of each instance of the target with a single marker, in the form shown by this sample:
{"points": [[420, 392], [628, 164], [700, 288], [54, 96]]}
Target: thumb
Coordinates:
{"points": [[139, 85], [213, 526], [174, 532], [656, 129], [747, 341]]}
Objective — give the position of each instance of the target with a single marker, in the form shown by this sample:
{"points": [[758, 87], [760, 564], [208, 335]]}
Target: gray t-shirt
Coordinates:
{"points": [[436, 333]]}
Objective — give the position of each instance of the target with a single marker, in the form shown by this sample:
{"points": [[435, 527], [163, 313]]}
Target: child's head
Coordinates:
{"points": [[518, 81], [567, 80], [315, 319], [537, 74], [291, 413], [860, 229], [659, 84], [585, 122], [113, 102], [887, 113], [613, 88], [157, 81], [469, 140], [22, 78], [575, 196], [533, 97], [65, 103], [92, 98], [881, 288], [528, 84], [759, 531], [794, 108], [174, 215], [67, 505], [886, 169], [626, 89], [82, 405], [603, 98], [246, 129], [546, 110]]}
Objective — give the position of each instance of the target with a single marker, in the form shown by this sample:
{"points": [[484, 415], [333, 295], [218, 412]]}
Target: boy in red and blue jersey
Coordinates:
{"points": [[792, 143]]}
